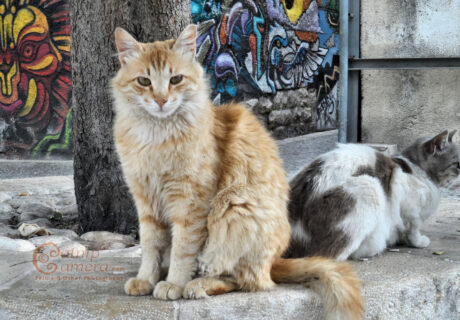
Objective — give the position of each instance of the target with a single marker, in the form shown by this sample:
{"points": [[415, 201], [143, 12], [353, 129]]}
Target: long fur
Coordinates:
{"points": [[336, 283], [207, 182]]}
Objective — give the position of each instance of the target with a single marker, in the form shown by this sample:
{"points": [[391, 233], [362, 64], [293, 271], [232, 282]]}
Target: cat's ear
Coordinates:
{"points": [[451, 134], [127, 46], [437, 143], [186, 42]]}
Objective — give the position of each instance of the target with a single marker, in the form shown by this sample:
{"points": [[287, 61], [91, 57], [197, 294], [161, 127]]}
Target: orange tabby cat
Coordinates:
{"points": [[209, 182]]}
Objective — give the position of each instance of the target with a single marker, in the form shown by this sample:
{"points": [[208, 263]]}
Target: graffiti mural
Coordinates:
{"points": [[254, 47], [35, 78]]}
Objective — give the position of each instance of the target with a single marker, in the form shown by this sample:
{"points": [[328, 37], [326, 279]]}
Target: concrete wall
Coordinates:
{"points": [[35, 79], [271, 49], [400, 105]]}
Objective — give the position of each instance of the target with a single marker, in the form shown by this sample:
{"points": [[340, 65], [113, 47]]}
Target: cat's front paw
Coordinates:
{"points": [[138, 287], [167, 291], [207, 266], [194, 290], [421, 242]]}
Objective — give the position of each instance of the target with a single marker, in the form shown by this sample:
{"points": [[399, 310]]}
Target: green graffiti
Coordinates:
{"points": [[56, 143]]}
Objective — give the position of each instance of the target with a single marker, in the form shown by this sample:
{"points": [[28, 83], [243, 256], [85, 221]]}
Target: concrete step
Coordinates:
{"points": [[405, 283]]}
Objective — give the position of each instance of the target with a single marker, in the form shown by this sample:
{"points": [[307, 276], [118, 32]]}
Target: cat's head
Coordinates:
{"points": [[159, 79], [437, 156]]}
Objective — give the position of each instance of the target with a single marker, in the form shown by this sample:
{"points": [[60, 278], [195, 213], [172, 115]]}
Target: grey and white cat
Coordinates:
{"points": [[354, 201]]}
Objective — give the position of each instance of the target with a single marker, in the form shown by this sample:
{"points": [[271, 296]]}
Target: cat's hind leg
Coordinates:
{"points": [[414, 237], [208, 286], [372, 245], [244, 238], [232, 231], [365, 225]]}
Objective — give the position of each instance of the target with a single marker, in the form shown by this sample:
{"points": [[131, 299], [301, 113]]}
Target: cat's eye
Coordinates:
{"points": [[176, 79], [143, 81]]}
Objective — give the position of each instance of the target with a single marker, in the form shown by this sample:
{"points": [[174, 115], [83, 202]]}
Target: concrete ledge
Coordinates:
{"points": [[297, 152], [405, 284], [10, 169]]}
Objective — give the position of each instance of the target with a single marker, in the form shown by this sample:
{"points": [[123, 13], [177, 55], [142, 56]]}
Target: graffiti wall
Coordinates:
{"points": [[259, 47], [35, 79]]}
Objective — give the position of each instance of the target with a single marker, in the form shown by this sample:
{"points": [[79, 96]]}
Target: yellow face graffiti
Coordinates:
{"points": [[34, 67], [25, 46]]}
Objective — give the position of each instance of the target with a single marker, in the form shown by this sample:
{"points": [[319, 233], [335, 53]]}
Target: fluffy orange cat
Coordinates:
{"points": [[208, 182]]}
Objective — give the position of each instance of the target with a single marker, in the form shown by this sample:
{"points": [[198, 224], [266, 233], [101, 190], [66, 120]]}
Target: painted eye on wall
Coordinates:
{"points": [[27, 51], [176, 79], [143, 81]]}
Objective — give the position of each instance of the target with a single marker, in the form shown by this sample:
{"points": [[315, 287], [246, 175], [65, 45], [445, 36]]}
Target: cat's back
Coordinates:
{"points": [[237, 126], [244, 142], [349, 156], [340, 166]]}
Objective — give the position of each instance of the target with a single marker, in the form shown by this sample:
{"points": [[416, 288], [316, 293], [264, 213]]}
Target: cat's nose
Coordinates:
{"points": [[161, 101]]}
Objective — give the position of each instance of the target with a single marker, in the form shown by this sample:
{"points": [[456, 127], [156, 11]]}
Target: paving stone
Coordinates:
{"points": [[69, 211], [265, 105], [72, 235], [56, 239], [7, 231], [5, 208], [107, 236], [108, 245], [72, 249], [24, 201], [7, 243], [251, 104], [42, 222], [4, 196], [31, 211], [6, 218]]}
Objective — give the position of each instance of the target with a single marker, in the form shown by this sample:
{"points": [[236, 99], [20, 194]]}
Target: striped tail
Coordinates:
{"points": [[335, 282]]}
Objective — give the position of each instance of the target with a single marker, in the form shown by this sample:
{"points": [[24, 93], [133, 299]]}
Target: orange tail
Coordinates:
{"points": [[335, 282]]}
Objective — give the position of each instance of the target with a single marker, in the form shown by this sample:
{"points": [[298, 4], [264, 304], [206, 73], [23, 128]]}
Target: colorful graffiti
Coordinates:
{"points": [[35, 78], [254, 47]]}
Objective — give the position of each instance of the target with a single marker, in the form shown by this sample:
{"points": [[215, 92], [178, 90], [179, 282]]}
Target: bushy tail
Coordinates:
{"points": [[335, 282]]}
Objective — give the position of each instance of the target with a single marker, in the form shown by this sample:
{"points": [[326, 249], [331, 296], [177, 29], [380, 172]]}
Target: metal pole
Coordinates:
{"points": [[343, 98], [353, 76]]}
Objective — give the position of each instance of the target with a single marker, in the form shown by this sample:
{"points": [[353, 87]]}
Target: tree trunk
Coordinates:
{"points": [[103, 199]]}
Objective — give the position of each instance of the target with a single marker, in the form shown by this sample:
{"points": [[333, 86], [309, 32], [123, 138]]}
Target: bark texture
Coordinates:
{"points": [[104, 202]]}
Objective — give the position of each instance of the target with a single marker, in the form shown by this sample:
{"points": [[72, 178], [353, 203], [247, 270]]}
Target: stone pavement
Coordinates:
{"points": [[404, 283]]}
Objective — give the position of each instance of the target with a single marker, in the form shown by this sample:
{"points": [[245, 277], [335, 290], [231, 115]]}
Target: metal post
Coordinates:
{"points": [[353, 75], [343, 98]]}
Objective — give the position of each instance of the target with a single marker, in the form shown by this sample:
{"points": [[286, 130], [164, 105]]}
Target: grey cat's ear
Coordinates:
{"points": [[186, 42], [451, 134], [436, 143], [127, 46]]}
